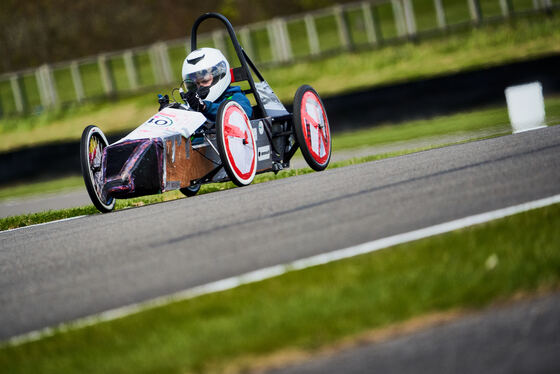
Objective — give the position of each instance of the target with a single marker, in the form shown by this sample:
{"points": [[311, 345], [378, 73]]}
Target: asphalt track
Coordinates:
{"points": [[62, 271], [520, 338]]}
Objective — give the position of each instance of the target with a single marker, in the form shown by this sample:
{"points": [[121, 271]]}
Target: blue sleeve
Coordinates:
{"points": [[212, 108]]}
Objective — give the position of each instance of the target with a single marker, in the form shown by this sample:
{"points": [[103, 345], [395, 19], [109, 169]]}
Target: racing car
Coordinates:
{"points": [[179, 148]]}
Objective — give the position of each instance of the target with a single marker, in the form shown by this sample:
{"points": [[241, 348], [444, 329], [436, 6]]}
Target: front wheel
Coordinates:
{"points": [[312, 128], [236, 143], [91, 160]]}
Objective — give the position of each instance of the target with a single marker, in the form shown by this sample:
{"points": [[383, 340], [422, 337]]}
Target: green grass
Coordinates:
{"points": [[68, 123], [467, 122], [309, 309], [300, 46], [486, 46], [494, 118], [64, 86], [91, 75], [40, 188]]}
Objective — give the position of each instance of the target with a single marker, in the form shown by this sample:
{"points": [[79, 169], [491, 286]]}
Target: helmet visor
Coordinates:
{"points": [[206, 77]]}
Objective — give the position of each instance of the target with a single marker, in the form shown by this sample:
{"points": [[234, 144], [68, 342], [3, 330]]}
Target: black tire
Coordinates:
{"points": [[234, 152], [190, 190], [91, 160], [319, 157]]}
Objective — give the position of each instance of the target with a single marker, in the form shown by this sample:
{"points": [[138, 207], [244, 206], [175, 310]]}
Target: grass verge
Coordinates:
{"points": [[308, 309], [40, 188], [477, 48], [493, 120]]}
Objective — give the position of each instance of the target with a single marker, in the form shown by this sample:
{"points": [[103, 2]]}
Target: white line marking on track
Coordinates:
{"points": [[42, 224], [273, 271]]}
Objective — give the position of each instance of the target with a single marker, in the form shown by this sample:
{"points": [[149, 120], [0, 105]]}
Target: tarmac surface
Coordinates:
{"points": [[58, 272], [519, 338]]}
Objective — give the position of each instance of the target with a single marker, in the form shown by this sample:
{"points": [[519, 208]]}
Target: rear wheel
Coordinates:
{"points": [[190, 190], [312, 128], [91, 160], [236, 143]]}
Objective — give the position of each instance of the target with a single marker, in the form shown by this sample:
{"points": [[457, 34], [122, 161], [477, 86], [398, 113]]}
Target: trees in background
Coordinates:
{"points": [[47, 31]]}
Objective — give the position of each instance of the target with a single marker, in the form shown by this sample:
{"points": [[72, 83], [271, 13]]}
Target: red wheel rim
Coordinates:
{"points": [[239, 143], [315, 127]]}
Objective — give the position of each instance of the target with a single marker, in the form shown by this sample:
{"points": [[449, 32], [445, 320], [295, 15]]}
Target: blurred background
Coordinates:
{"points": [[52, 31]]}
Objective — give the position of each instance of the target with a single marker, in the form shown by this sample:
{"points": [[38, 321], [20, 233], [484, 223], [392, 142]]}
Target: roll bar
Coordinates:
{"points": [[246, 63]]}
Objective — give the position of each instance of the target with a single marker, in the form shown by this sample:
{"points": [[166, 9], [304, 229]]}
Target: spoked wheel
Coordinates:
{"points": [[236, 143], [91, 158], [190, 190], [312, 128]]}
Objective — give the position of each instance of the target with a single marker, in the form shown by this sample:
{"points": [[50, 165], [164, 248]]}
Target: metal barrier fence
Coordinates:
{"points": [[365, 24]]}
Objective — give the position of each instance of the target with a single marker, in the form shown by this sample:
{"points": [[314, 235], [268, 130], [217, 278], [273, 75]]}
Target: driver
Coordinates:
{"points": [[207, 77]]}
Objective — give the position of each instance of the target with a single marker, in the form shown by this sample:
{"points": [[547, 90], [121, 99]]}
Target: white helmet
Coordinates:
{"points": [[203, 64]]}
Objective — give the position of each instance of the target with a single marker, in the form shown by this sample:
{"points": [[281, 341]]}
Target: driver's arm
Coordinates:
{"points": [[211, 110]]}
